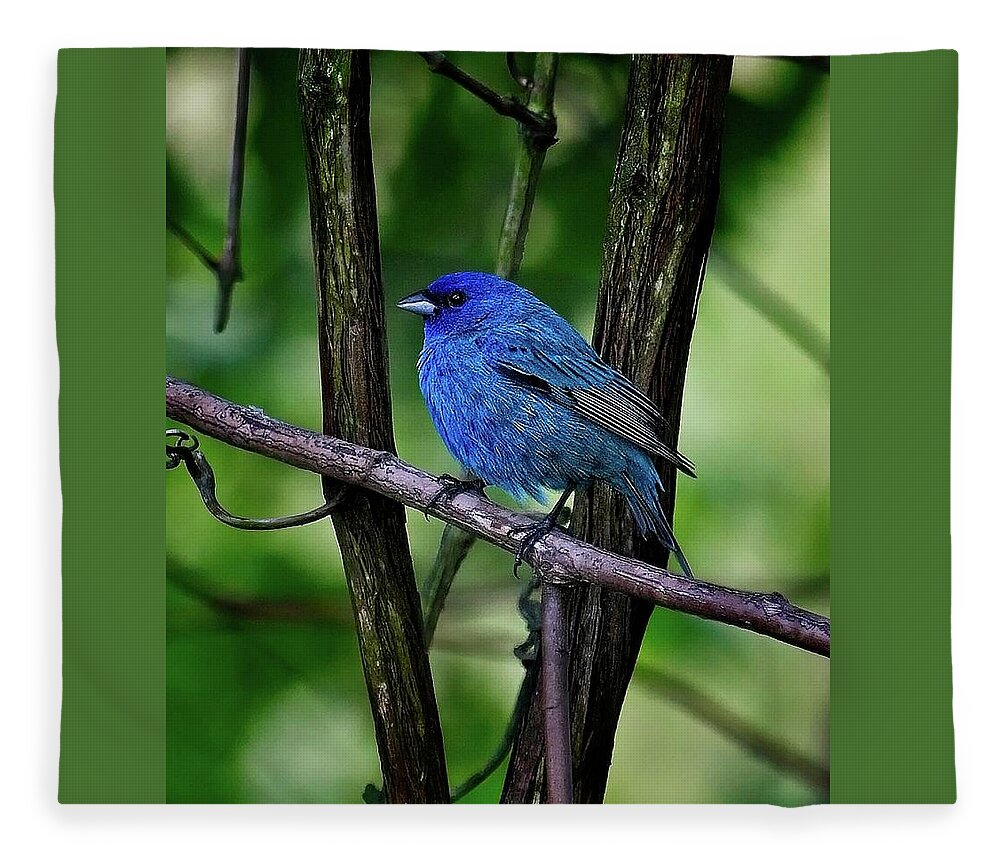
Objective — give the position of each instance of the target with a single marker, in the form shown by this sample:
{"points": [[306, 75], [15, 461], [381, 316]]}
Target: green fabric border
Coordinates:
{"points": [[110, 204], [893, 121], [893, 138]]}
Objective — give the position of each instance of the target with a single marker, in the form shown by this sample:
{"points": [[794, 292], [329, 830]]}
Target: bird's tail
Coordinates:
{"points": [[644, 501]]}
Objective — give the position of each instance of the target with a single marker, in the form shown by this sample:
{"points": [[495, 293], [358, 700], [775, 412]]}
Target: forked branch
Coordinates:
{"points": [[227, 268], [536, 121]]}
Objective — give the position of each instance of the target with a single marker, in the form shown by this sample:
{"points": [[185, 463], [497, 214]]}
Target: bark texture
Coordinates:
{"points": [[559, 556], [334, 92], [662, 214]]}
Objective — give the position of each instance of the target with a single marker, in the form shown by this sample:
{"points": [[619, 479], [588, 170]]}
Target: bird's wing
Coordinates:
{"points": [[572, 374]]}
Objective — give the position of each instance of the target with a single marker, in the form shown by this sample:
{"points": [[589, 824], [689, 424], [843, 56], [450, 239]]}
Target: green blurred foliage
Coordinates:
{"points": [[274, 710]]}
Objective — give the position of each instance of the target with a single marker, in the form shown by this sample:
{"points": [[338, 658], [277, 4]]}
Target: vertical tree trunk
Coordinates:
{"points": [[334, 91], [662, 213]]}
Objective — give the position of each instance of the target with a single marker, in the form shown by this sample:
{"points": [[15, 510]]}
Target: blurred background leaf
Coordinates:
{"points": [[269, 705]]}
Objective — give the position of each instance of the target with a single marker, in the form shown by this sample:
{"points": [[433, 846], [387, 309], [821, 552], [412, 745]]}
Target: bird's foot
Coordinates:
{"points": [[532, 535], [452, 487]]}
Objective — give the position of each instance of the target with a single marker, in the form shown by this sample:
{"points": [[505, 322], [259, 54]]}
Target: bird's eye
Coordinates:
{"points": [[456, 298]]}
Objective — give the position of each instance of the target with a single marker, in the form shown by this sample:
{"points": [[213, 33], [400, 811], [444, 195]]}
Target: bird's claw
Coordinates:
{"points": [[533, 534], [452, 487]]}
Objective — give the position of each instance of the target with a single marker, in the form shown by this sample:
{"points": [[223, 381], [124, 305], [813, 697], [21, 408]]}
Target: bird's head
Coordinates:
{"points": [[467, 301]]}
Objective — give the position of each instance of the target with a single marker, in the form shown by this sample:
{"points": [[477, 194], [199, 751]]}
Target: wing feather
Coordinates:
{"points": [[577, 378]]}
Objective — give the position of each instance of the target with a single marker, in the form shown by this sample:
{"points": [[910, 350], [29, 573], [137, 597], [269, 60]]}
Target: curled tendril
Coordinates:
{"points": [[183, 448]]}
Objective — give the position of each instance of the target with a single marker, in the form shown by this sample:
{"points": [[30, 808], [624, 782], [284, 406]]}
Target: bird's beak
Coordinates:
{"points": [[419, 304]]}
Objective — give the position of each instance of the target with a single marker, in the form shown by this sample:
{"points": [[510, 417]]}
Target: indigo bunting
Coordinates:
{"points": [[523, 402]]}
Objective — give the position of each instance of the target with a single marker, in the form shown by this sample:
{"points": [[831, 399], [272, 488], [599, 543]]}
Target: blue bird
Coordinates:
{"points": [[523, 402]]}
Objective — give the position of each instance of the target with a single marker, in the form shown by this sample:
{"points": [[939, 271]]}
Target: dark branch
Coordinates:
{"points": [[558, 555], [555, 695], [661, 215], [335, 98], [537, 123]]}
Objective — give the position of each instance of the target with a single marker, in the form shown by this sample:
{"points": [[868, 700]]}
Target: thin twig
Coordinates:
{"points": [[203, 475], [527, 168], [229, 270], [555, 695], [454, 547], [524, 693], [193, 245], [456, 543], [538, 123], [527, 653], [558, 556], [773, 306], [519, 77], [227, 267]]}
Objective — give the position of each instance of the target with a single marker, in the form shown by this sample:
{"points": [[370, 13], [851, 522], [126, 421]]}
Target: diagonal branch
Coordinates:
{"points": [[188, 240], [559, 556], [537, 122]]}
